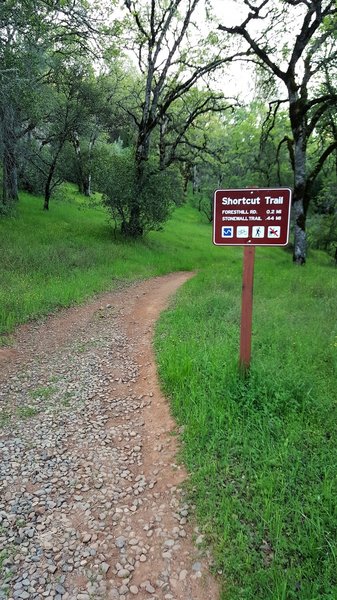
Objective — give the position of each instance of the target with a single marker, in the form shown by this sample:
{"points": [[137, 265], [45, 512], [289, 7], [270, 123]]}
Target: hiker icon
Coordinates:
{"points": [[258, 231]]}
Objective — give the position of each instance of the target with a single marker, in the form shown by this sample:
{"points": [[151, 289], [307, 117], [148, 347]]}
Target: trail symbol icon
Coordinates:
{"points": [[227, 232], [274, 232]]}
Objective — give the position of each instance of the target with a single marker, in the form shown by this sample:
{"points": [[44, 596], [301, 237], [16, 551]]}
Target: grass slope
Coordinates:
{"points": [[261, 452], [56, 258]]}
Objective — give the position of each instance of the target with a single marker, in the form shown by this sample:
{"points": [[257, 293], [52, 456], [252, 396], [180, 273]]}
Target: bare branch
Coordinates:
{"points": [[290, 146], [269, 122], [318, 167]]}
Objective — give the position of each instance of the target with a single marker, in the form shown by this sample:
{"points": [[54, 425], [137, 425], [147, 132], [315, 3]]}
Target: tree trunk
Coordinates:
{"points": [[162, 144], [300, 236], [186, 172], [133, 227], [298, 126], [195, 180], [87, 185], [185, 186], [48, 186], [47, 195], [79, 169], [49, 183], [87, 177], [84, 170], [10, 178]]}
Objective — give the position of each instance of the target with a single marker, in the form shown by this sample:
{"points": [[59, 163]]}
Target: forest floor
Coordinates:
{"points": [[93, 505]]}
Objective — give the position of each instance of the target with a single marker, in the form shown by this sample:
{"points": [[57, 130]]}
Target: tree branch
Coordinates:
{"points": [[315, 172], [243, 32]]}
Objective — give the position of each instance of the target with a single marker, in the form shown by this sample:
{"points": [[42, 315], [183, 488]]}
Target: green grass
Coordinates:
{"points": [[5, 572], [57, 258], [43, 393], [261, 452], [26, 412]]}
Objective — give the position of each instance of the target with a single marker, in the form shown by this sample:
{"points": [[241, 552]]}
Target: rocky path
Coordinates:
{"points": [[90, 505]]}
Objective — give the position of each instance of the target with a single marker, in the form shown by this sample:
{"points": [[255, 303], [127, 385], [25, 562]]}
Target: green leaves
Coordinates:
{"points": [[154, 195]]}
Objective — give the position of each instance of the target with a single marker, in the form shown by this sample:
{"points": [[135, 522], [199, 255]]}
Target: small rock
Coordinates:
{"points": [[60, 589], [105, 567], [52, 568], [133, 589], [123, 573], [120, 541], [133, 542], [123, 589]]}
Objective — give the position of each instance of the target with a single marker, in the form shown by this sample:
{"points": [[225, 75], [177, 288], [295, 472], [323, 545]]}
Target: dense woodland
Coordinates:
{"points": [[135, 100]]}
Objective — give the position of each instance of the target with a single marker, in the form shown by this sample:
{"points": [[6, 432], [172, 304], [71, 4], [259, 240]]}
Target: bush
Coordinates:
{"points": [[34, 161], [203, 202], [159, 192], [322, 233]]}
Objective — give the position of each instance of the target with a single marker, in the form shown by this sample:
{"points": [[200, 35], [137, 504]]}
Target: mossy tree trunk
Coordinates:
{"points": [[10, 177]]}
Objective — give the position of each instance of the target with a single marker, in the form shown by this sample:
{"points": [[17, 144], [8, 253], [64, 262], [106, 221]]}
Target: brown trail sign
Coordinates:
{"points": [[258, 217], [250, 217]]}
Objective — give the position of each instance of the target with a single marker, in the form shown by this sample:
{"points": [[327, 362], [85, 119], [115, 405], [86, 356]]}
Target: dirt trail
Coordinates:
{"points": [[91, 506]]}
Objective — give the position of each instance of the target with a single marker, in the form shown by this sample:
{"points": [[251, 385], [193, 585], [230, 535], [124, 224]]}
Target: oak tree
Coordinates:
{"points": [[173, 57], [293, 41]]}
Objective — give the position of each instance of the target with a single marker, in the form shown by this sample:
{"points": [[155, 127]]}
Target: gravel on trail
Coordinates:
{"points": [[91, 502]]}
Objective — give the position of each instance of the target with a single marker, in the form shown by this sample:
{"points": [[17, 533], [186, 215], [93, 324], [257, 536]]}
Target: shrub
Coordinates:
{"points": [[155, 199]]}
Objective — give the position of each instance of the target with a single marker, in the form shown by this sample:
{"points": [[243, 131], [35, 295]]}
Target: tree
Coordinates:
{"points": [[103, 100], [63, 116], [20, 62], [298, 62], [156, 197], [231, 153], [193, 137], [32, 32], [172, 61]]}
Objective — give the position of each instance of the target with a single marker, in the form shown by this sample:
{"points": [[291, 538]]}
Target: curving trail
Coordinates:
{"points": [[91, 505]]}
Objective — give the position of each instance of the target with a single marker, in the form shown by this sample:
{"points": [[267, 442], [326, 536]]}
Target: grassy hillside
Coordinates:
{"points": [[261, 452], [52, 259]]}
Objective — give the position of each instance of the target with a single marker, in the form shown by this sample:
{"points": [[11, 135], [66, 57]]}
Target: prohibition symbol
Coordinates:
{"points": [[274, 231]]}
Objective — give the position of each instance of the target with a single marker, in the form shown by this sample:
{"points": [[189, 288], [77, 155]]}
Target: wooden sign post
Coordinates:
{"points": [[246, 309], [250, 217]]}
